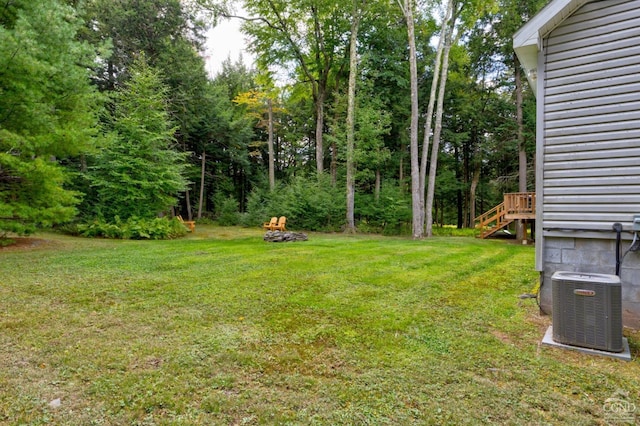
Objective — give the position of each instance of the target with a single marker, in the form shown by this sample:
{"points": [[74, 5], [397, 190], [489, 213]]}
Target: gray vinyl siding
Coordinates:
{"points": [[591, 157]]}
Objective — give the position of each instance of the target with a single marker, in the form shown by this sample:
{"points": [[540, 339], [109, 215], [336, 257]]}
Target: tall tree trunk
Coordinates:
{"points": [[521, 226], [432, 101], [202, 174], [459, 193], [447, 33], [465, 181], [272, 172], [376, 191], [319, 130], [475, 180], [475, 165], [417, 206], [333, 167], [351, 112], [188, 201]]}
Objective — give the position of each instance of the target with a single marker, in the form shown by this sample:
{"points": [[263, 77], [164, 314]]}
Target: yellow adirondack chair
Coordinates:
{"points": [[271, 224], [281, 224], [188, 223]]}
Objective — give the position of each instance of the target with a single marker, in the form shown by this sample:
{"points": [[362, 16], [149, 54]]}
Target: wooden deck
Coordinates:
{"points": [[516, 206], [520, 205]]}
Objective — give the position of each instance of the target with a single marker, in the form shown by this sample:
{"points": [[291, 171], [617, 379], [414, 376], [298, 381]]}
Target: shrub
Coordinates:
{"points": [[134, 229], [308, 203], [227, 211], [389, 215], [257, 210]]}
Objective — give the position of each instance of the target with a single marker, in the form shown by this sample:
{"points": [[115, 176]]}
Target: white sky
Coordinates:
{"points": [[224, 41]]}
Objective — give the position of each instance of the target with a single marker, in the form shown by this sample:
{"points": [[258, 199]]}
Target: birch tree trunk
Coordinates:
{"points": [[272, 172], [417, 206], [447, 33], [475, 180], [351, 110], [432, 101]]}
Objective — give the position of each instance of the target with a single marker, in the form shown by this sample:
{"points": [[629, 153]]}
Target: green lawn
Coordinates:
{"points": [[223, 328]]}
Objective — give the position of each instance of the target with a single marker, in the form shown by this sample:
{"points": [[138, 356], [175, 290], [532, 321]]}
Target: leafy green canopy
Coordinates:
{"points": [[170, 33], [139, 173], [47, 111]]}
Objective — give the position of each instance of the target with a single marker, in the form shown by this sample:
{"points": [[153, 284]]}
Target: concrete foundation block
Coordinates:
{"points": [[559, 243], [630, 276], [631, 314], [630, 293], [553, 255], [591, 257]]}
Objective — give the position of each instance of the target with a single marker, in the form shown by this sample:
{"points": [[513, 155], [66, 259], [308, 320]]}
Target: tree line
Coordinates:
{"points": [[381, 116]]}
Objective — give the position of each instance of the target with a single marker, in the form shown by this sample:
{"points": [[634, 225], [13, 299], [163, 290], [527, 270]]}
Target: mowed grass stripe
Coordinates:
{"points": [[224, 328]]}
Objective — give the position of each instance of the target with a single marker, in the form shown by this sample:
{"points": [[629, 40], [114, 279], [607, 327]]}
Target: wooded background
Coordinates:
{"points": [[107, 113]]}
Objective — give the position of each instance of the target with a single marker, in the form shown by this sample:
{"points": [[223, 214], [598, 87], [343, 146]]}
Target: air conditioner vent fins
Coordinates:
{"points": [[587, 310]]}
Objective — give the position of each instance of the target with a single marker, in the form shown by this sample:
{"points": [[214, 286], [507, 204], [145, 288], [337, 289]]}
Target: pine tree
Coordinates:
{"points": [[140, 173], [47, 112]]}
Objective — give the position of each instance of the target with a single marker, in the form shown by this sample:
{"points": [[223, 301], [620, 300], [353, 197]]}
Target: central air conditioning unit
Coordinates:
{"points": [[587, 310]]}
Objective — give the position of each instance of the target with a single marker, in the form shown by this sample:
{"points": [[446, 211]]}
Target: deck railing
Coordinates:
{"points": [[491, 221], [520, 204]]}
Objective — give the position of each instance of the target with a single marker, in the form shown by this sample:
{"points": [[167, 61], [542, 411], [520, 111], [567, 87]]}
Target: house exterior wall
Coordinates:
{"points": [[589, 146]]}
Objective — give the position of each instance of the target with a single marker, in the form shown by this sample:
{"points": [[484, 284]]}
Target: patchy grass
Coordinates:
{"points": [[223, 328], [453, 231]]}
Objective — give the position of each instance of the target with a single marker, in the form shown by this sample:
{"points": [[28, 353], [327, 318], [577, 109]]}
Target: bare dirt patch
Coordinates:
{"points": [[23, 244]]}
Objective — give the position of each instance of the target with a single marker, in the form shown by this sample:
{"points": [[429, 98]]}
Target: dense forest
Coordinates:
{"points": [[377, 116]]}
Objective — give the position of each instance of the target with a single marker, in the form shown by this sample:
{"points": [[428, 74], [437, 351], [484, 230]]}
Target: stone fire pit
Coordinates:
{"points": [[284, 236]]}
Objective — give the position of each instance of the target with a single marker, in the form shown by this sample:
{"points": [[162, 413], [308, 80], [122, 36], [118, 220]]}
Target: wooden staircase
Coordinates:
{"points": [[516, 205]]}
